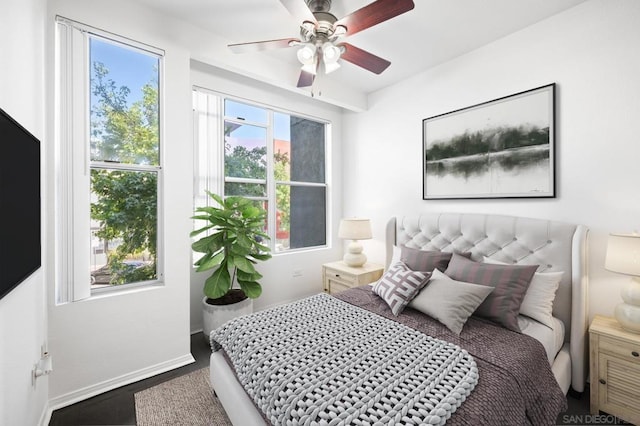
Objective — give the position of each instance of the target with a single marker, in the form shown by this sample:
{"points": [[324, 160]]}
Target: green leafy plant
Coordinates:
{"points": [[233, 246], [125, 202]]}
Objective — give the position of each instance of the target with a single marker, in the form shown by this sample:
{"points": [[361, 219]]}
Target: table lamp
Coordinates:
{"points": [[623, 256], [354, 229]]}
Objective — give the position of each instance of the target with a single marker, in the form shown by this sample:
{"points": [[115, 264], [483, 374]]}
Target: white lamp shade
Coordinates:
{"points": [[623, 254], [355, 229]]}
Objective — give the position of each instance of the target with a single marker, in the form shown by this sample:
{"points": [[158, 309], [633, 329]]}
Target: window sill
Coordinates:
{"points": [[126, 289]]}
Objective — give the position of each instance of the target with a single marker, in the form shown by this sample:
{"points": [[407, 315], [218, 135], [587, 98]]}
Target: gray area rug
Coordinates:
{"points": [[184, 401]]}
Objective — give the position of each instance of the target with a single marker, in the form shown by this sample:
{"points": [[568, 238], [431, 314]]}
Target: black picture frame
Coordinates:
{"points": [[503, 148]]}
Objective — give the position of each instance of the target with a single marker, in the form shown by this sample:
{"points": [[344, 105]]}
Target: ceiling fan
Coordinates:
{"points": [[320, 43]]}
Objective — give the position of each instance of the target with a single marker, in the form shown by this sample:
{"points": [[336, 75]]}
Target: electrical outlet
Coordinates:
{"points": [[296, 273]]}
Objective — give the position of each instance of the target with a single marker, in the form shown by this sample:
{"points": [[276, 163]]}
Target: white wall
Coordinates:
{"points": [[592, 52], [279, 285], [104, 342], [23, 311]]}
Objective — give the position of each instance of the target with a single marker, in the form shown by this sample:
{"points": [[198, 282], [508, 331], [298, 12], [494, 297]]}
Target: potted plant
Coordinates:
{"points": [[233, 245]]}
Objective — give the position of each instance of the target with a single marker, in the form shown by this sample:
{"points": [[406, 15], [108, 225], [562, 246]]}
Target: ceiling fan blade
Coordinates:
{"points": [[373, 14], [299, 10], [305, 79], [363, 59], [257, 46]]}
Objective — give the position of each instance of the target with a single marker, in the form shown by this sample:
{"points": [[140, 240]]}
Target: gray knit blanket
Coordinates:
{"points": [[322, 361]]}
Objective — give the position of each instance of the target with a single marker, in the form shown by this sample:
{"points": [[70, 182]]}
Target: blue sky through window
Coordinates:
{"points": [[127, 66], [134, 68]]}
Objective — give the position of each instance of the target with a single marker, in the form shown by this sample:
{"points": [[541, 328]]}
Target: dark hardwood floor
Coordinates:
{"points": [[117, 407]]}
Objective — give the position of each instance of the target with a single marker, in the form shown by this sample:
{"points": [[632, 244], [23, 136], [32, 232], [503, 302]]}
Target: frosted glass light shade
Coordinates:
{"points": [[307, 54], [623, 256]]}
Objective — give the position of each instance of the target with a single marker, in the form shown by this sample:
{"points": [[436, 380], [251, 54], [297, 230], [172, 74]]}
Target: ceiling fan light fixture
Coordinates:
{"points": [[330, 56], [310, 68], [330, 53], [339, 31], [330, 67], [307, 54]]}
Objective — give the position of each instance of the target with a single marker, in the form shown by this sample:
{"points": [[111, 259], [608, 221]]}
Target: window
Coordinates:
{"points": [[274, 157], [108, 129]]}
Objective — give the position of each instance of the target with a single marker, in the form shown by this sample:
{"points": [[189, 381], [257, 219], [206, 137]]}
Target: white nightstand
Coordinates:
{"points": [[615, 369], [338, 276]]}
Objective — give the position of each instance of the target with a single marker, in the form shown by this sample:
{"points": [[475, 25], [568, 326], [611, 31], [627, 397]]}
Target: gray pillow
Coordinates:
{"points": [[510, 282], [538, 300], [424, 260], [449, 301], [399, 285]]}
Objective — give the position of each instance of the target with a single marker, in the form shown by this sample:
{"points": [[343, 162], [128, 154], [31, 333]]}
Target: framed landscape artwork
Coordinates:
{"points": [[504, 148]]}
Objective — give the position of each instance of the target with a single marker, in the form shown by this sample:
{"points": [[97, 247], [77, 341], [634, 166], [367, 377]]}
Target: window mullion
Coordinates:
{"points": [[245, 180], [124, 166]]}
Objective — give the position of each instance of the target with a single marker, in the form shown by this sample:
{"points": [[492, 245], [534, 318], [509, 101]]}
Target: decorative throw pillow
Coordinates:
{"points": [[449, 301], [510, 281], [399, 285], [424, 260], [538, 300]]}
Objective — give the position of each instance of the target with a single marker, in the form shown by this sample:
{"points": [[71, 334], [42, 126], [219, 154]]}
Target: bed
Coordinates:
{"points": [[523, 388]]}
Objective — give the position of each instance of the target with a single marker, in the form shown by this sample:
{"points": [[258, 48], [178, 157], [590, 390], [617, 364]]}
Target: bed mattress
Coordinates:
{"points": [[515, 380], [552, 338]]}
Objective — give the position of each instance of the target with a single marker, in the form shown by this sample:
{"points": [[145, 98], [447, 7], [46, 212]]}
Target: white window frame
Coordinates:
{"points": [[210, 156], [73, 164]]}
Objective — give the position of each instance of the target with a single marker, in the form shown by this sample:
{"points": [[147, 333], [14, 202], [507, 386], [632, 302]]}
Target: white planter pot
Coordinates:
{"points": [[213, 316]]}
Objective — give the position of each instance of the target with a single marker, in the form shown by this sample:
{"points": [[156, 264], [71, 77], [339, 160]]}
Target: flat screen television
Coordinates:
{"points": [[20, 242]]}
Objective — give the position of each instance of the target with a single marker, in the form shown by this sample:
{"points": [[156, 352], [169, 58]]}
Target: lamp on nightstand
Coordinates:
{"points": [[623, 256], [354, 229]]}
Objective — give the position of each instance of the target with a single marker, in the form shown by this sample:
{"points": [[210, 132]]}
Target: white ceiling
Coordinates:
{"points": [[434, 32]]}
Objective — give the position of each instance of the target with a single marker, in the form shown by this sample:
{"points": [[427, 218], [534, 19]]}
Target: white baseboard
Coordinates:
{"points": [[107, 385], [45, 416]]}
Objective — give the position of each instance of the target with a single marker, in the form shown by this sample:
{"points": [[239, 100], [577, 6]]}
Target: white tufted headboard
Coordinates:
{"points": [[555, 246]]}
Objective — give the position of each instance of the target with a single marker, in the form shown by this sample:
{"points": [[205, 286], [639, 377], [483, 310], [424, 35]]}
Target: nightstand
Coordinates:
{"points": [[338, 276], [615, 369]]}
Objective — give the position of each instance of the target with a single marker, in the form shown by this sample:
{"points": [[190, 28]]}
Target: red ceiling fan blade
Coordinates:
{"points": [[257, 46], [373, 14], [363, 59], [299, 10], [305, 79]]}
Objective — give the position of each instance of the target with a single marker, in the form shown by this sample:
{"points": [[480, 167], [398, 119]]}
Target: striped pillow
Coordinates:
{"points": [[424, 260], [510, 282], [399, 285]]}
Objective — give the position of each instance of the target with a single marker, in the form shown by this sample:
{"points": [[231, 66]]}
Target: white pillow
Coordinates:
{"points": [[449, 301], [538, 300]]}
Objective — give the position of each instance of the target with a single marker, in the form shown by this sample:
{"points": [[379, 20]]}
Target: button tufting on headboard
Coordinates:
{"points": [[555, 246]]}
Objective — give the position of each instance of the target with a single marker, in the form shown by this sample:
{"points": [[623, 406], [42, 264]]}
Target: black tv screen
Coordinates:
{"points": [[20, 251]]}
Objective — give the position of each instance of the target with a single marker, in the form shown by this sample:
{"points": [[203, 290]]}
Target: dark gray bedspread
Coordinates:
{"points": [[516, 385]]}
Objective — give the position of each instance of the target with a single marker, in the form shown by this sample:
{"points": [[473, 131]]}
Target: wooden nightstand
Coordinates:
{"points": [[615, 369], [338, 276]]}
